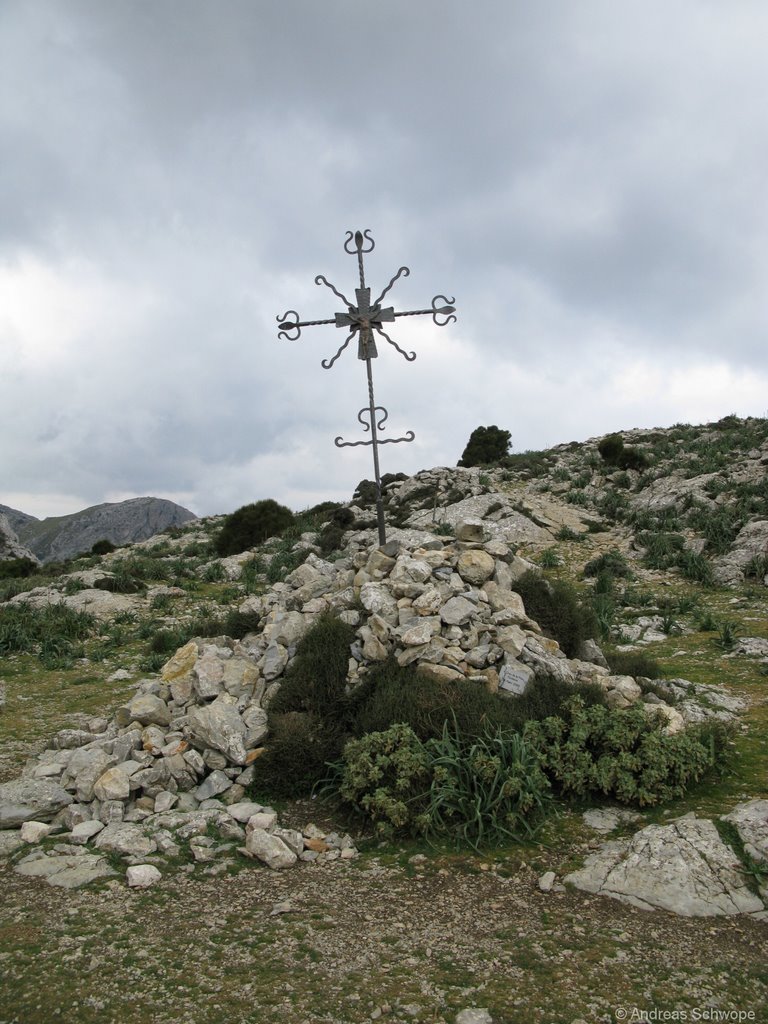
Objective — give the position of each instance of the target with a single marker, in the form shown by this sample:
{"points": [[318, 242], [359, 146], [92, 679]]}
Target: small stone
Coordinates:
{"points": [[474, 1016], [546, 881], [269, 849], [33, 832], [244, 810], [141, 876]]}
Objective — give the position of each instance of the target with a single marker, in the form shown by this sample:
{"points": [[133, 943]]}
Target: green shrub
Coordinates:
{"points": [[612, 563], [315, 682], [694, 566], [51, 632], [485, 446], [625, 755], [122, 581], [557, 609], [103, 547], [613, 505], [311, 714], [17, 568], [332, 534], [610, 448], [756, 568], [385, 776], [252, 524], [549, 559], [480, 790], [238, 624], [633, 663], [632, 458], [661, 549], [392, 693], [299, 750], [566, 533], [484, 790]]}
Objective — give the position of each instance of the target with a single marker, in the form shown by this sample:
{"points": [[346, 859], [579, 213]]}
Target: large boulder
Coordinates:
{"points": [[683, 867], [30, 800]]}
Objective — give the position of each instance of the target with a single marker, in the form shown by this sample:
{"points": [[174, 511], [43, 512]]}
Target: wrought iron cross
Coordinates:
{"points": [[363, 319]]}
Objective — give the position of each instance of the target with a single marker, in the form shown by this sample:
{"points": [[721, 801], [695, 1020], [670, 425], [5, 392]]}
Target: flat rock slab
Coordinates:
{"points": [[683, 867], [65, 872]]}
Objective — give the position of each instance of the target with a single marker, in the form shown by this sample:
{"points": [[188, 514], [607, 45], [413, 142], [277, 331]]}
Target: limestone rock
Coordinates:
{"points": [[751, 542], [66, 872], [146, 708], [683, 867], [10, 545], [112, 785], [751, 821], [33, 832], [181, 663], [126, 840], [136, 519], [141, 876], [269, 849], [457, 611], [470, 530], [475, 566], [30, 800], [218, 725]]}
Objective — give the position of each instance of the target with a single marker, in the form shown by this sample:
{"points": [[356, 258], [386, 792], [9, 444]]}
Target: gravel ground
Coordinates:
{"points": [[365, 940]]}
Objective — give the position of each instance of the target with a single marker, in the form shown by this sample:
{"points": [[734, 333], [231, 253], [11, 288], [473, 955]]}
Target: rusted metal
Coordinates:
{"points": [[365, 319]]}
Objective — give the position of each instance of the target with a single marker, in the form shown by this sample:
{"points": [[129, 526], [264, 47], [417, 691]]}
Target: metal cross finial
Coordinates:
{"points": [[364, 319]]}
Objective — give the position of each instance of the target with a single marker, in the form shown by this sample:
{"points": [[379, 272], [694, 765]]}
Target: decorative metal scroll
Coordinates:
{"points": [[365, 319]]}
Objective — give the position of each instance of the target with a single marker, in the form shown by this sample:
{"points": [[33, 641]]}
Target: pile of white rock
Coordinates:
{"points": [[176, 762]]}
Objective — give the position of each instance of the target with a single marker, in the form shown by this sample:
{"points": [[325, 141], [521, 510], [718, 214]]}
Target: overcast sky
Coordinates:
{"points": [[586, 177]]}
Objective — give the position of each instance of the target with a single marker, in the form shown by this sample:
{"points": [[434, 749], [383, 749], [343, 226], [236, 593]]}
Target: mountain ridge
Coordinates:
{"points": [[58, 538]]}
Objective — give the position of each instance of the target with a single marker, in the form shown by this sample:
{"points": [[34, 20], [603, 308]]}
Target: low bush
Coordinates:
{"points": [[251, 525], [486, 445], [611, 562], [610, 448], [480, 790], [48, 632], [17, 568], [633, 663], [311, 714], [557, 608], [392, 693], [625, 755], [315, 682], [385, 777], [103, 547], [332, 534], [297, 756]]}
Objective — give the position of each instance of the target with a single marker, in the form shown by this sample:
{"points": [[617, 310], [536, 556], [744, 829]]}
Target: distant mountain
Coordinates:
{"points": [[17, 520], [10, 547], [60, 537]]}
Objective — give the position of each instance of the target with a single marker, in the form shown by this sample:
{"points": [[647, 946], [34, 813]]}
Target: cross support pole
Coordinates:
{"points": [[364, 320]]}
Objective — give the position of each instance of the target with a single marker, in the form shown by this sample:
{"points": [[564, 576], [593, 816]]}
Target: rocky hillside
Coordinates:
{"points": [[10, 546], [157, 674], [58, 538]]}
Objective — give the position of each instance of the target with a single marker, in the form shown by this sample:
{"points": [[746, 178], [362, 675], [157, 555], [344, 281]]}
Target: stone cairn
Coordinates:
{"points": [[174, 765]]}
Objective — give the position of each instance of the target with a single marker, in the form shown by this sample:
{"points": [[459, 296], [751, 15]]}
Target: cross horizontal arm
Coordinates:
{"points": [[290, 322]]}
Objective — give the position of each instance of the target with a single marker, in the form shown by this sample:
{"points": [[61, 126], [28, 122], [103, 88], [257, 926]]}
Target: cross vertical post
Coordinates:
{"points": [[363, 319]]}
